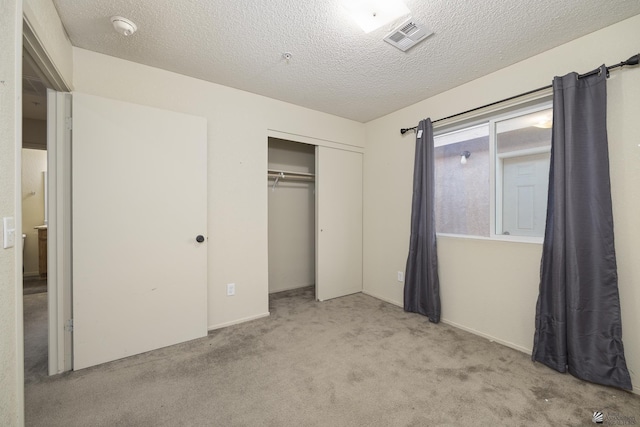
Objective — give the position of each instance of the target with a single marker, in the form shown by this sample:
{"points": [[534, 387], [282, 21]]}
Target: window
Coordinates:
{"points": [[492, 176]]}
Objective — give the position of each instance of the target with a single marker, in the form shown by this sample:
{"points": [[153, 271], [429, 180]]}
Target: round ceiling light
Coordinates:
{"points": [[123, 25]]}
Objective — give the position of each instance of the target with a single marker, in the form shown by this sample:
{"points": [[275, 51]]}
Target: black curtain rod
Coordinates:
{"points": [[631, 61]]}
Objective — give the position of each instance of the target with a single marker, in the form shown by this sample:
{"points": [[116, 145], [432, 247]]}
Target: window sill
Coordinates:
{"points": [[498, 238]]}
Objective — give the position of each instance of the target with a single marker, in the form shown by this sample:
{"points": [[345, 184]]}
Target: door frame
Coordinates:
{"points": [[59, 231], [59, 190], [317, 142]]}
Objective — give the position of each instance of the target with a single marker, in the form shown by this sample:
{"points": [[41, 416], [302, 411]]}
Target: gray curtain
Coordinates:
{"points": [[578, 326], [422, 286]]}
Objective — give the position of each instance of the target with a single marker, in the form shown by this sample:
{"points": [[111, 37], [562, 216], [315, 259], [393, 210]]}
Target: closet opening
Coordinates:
{"points": [[291, 218]]}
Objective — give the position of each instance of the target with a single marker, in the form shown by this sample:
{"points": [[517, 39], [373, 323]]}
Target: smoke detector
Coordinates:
{"points": [[124, 26], [407, 35]]}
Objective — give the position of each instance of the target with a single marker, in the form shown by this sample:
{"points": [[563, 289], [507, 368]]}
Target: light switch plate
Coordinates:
{"points": [[8, 232], [400, 276]]}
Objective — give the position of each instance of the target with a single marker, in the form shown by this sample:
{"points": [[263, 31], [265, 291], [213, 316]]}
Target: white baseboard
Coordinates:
{"points": [[635, 390], [235, 322], [464, 328], [396, 303], [290, 288], [487, 336]]}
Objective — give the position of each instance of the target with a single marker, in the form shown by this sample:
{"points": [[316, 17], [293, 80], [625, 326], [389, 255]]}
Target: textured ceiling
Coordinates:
{"points": [[336, 67]]}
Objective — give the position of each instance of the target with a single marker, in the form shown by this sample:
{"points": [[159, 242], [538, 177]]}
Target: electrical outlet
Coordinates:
{"points": [[231, 289], [400, 276]]}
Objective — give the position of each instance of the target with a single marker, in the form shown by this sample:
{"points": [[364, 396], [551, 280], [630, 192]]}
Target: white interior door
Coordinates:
{"points": [[339, 223], [525, 182], [139, 201]]}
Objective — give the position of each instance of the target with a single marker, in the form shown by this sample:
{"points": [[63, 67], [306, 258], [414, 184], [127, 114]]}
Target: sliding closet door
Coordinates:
{"points": [[338, 223], [139, 203]]}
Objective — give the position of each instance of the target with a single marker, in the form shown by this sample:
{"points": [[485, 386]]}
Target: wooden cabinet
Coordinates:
{"points": [[42, 252]]}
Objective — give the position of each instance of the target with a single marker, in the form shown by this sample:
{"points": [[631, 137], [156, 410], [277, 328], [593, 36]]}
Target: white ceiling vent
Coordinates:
{"points": [[407, 35]]}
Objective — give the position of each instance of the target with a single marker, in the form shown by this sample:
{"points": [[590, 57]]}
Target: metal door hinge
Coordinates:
{"points": [[69, 325], [68, 122]]}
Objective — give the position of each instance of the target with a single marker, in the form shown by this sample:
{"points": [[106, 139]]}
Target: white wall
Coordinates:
{"points": [[34, 162], [238, 125], [291, 218], [491, 287], [11, 354]]}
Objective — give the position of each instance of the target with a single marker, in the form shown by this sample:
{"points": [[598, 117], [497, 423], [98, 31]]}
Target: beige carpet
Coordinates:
{"points": [[352, 361], [33, 285], [35, 336]]}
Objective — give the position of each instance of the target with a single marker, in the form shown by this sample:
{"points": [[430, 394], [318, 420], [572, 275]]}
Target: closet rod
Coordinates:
{"points": [[284, 174], [297, 178], [634, 60]]}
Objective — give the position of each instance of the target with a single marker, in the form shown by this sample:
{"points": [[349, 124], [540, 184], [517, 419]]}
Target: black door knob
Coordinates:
{"points": [[200, 238]]}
